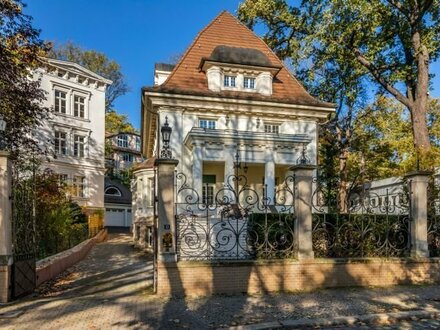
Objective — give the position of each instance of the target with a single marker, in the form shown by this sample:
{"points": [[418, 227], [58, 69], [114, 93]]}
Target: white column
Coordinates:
{"points": [[418, 184], [197, 167], [229, 154], [269, 175]]}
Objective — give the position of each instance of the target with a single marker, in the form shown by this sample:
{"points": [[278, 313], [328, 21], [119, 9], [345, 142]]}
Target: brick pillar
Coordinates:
{"points": [[303, 210], [166, 224], [5, 227], [418, 185]]}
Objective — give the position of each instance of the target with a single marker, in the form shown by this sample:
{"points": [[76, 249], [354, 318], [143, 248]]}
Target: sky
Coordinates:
{"points": [[134, 33]]}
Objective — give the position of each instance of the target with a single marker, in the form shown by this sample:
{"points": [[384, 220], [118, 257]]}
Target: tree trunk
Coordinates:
{"points": [[419, 108]]}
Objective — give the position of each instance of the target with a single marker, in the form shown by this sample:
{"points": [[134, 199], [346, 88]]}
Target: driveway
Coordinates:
{"points": [[112, 289]]}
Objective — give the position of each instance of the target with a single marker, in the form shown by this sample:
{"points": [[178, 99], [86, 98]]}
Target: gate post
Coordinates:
{"points": [[5, 227], [418, 187], [166, 224], [303, 210]]}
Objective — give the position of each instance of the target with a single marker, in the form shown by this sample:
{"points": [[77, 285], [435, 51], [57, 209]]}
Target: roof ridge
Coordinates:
{"points": [[177, 66]]}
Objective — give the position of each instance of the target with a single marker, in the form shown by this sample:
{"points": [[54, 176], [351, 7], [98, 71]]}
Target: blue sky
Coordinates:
{"points": [[135, 33]]}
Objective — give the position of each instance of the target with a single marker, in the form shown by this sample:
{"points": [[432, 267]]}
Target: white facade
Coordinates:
{"points": [[126, 150], [269, 138], [73, 136]]}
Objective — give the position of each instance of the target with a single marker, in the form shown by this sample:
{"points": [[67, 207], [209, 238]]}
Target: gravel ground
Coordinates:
{"points": [[112, 288]]}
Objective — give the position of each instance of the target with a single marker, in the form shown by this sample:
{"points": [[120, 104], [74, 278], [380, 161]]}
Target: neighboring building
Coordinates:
{"points": [[161, 72], [73, 136], [228, 94], [126, 151], [117, 201]]}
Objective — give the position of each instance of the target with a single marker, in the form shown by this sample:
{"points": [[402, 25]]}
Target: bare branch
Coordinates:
{"points": [[376, 74]]}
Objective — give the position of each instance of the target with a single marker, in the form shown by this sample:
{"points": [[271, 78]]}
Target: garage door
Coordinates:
{"points": [[114, 217]]}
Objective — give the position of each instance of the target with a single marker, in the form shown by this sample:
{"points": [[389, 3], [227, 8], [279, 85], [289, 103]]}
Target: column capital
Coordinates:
{"points": [[419, 175], [302, 168], [165, 161]]}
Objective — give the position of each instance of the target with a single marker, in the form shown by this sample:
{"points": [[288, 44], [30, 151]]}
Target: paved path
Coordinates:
{"points": [[112, 289]]}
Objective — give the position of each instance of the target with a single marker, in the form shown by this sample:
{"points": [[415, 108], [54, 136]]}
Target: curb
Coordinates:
{"points": [[382, 318]]}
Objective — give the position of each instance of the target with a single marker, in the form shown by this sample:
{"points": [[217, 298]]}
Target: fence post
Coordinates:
{"points": [[418, 187], [166, 224], [5, 227], [303, 210]]}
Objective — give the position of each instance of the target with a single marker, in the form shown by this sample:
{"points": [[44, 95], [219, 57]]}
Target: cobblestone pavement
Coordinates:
{"points": [[112, 289]]}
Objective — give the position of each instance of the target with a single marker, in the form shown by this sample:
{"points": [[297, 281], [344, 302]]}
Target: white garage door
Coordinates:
{"points": [[114, 217]]}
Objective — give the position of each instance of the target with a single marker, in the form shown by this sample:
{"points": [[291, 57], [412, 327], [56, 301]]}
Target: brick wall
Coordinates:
{"points": [[202, 278]]}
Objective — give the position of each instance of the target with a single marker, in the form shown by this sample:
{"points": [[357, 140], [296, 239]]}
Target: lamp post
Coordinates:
{"points": [[166, 135], [2, 132]]}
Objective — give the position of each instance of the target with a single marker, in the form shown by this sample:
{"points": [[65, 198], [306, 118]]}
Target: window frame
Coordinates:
{"points": [[122, 141], [229, 81], [79, 147], [58, 145], [208, 122], [77, 111], [60, 102], [249, 83], [79, 186], [270, 128]]}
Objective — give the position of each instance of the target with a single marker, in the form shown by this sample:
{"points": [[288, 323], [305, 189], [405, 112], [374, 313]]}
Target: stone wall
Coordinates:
{"points": [[50, 267], [204, 278]]}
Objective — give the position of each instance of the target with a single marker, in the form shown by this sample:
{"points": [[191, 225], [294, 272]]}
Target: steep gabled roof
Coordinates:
{"points": [[225, 30]]}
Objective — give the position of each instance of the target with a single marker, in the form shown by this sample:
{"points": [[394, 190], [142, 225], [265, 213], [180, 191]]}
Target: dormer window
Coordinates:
{"points": [[229, 81], [249, 82]]}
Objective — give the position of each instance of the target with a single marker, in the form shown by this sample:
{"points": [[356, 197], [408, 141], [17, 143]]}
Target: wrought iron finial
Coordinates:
{"points": [[303, 159]]}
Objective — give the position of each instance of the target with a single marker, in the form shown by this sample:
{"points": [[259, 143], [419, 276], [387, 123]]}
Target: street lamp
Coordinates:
{"points": [[166, 135], [2, 132]]}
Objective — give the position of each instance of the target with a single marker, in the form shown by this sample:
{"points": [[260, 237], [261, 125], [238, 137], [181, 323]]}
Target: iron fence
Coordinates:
{"points": [[360, 223], [235, 222]]}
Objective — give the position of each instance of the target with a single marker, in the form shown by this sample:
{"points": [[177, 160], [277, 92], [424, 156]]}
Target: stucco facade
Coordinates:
{"points": [[73, 137], [230, 95]]}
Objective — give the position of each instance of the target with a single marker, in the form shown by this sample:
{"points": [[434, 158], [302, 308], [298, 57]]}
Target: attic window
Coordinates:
{"points": [[113, 191], [229, 81], [249, 82]]}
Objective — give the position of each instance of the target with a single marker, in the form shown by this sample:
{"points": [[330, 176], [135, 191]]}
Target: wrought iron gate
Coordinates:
{"points": [[238, 221], [23, 232]]}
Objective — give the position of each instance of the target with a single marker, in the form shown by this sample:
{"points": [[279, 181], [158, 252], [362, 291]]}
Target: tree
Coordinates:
{"points": [[98, 63], [115, 123], [393, 41], [20, 97]]}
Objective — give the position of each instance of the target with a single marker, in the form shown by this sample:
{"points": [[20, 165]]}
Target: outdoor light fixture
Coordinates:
{"points": [[166, 135], [227, 119], [258, 122], [303, 159], [2, 132], [237, 163]]}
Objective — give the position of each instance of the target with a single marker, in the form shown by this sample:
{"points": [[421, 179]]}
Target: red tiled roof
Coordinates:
{"points": [[226, 30]]}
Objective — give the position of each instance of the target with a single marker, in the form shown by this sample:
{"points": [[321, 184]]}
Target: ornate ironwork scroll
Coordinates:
{"points": [[239, 222], [362, 224]]}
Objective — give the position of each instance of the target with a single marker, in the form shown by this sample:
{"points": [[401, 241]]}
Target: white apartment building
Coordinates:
{"points": [[74, 135]]}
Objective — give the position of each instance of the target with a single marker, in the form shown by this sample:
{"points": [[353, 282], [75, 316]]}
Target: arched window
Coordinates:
{"points": [[113, 191]]}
